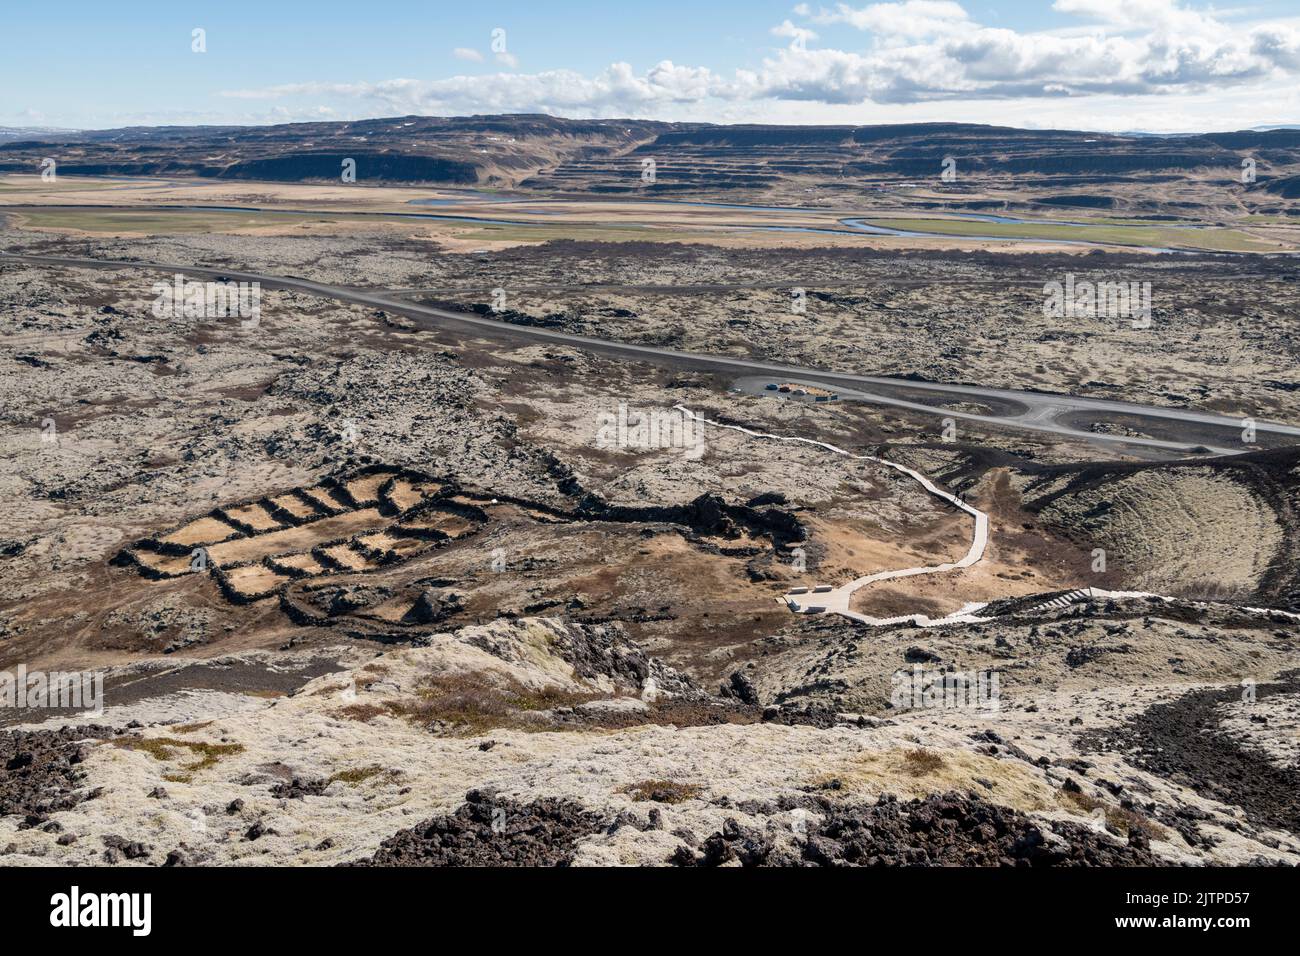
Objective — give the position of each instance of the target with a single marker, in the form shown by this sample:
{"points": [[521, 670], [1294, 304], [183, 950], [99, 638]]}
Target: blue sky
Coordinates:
{"points": [[1163, 65]]}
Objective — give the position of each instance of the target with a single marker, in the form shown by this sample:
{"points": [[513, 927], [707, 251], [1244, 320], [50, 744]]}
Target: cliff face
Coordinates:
{"points": [[412, 149]]}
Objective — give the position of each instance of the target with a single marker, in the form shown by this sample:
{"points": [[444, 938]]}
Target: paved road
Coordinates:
{"points": [[1040, 413], [1032, 411]]}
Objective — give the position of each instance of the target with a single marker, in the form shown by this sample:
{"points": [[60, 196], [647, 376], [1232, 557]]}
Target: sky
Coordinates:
{"points": [[1115, 65]]}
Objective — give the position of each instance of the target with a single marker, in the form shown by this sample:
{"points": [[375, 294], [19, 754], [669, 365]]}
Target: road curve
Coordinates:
{"points": [[1043, 408], [1039, 414], [836, 600]]}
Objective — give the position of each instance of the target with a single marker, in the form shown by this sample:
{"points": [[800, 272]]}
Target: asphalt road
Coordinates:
{"points": [[1183, 430], [1044, 413]]}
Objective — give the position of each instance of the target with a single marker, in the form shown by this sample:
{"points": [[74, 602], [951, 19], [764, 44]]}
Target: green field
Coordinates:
{"points": [[152, 222], [12, 182], [1211, 239], [181, 221], [589, 232], [36, 185]]}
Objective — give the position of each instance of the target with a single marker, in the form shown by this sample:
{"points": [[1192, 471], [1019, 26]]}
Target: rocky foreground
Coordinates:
{"points": [[363, 598], [535, 742]]}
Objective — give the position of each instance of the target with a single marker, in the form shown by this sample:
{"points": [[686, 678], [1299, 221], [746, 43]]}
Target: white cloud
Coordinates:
{"points": [[915, 52], [799, 36], [931, 49], [1158, 15], [467, 53], [909, 19], [616, 88], [1280, 46]]}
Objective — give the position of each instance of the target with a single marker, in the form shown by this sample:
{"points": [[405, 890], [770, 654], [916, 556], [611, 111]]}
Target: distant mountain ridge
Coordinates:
{"points": [[534, 151], [32, 132]]}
